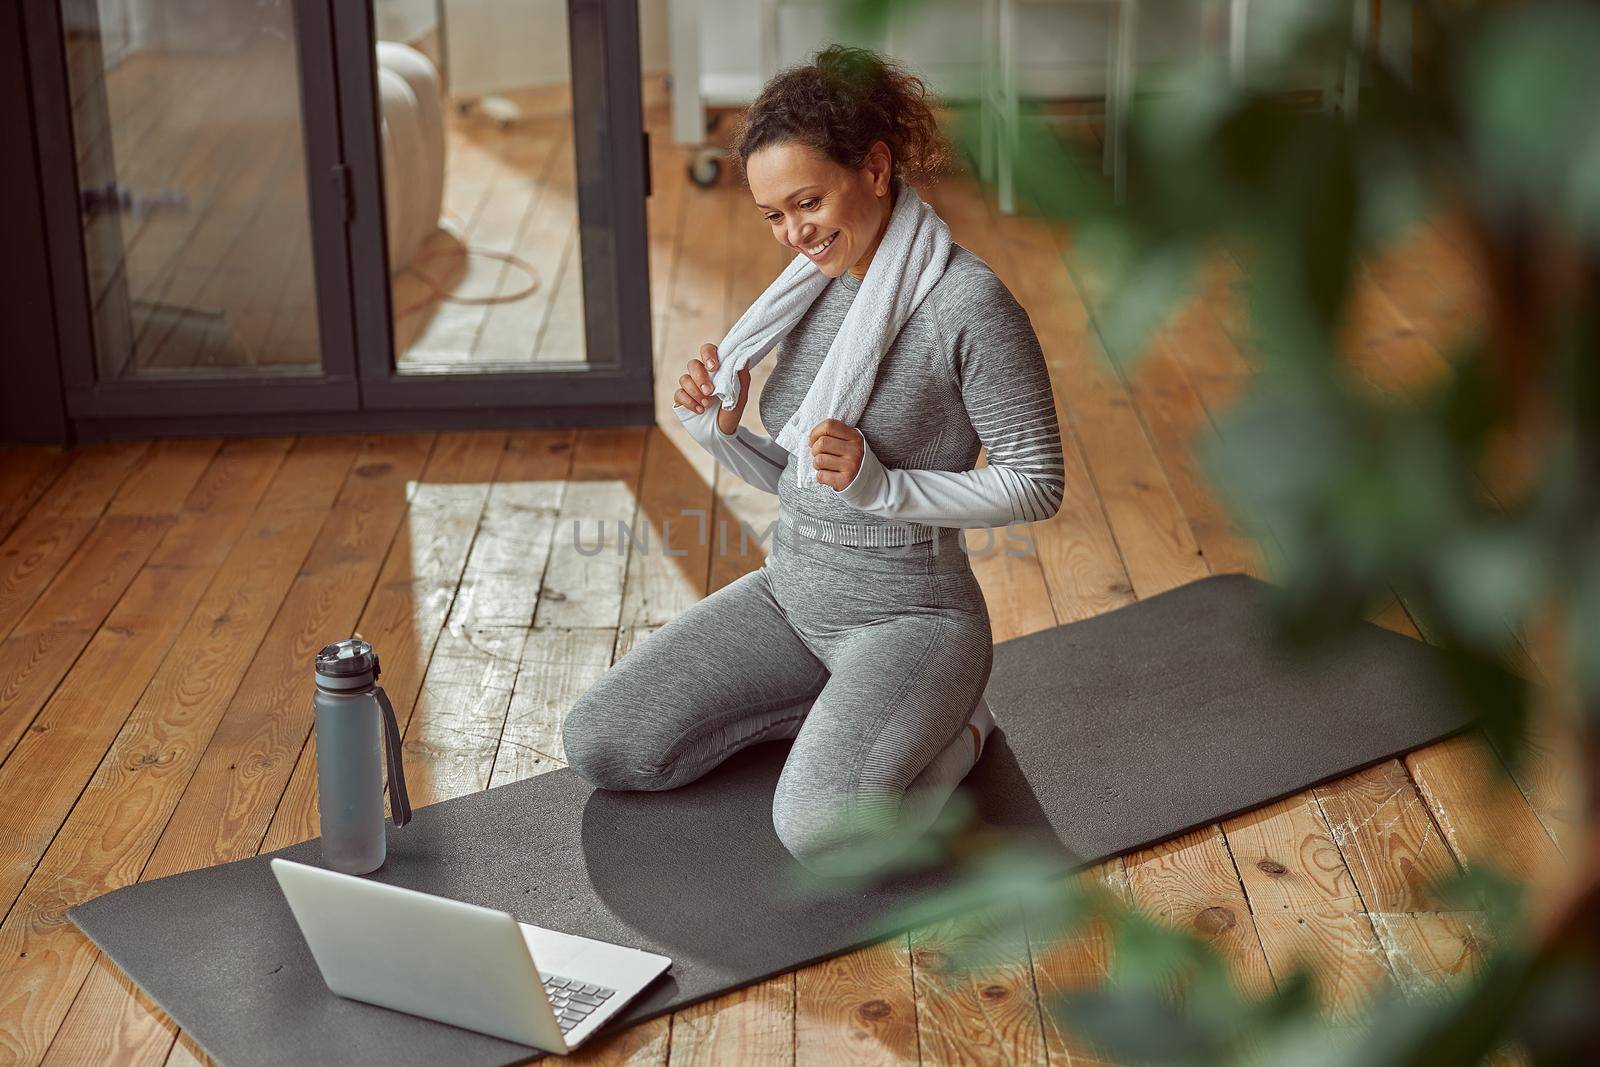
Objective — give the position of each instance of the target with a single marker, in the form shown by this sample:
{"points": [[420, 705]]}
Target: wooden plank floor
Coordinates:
{"points": [[159, 604]]}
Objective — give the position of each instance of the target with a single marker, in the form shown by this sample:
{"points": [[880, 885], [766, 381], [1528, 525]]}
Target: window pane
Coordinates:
{"points": [[479, 180], [193, 182]]}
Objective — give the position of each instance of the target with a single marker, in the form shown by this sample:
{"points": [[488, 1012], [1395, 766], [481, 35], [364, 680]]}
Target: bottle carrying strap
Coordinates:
{"points": [[399, 803]]}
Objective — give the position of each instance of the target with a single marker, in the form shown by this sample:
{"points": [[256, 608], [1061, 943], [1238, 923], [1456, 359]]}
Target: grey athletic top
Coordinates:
{"points": [[965, 371]]}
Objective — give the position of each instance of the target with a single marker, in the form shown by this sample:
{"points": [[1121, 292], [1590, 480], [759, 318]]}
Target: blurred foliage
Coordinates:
{"points": [[1476, 500]]}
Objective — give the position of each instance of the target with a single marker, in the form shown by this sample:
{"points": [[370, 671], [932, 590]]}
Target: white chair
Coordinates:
{"points": [[1000, 98], [1341, 89]]}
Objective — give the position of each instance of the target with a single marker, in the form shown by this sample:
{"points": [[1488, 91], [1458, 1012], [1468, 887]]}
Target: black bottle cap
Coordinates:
{"points": [[348, 658]]}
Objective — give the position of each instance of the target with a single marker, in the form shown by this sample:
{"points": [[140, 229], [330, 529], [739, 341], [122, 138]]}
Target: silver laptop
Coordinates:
{"points": [[459, 963]]}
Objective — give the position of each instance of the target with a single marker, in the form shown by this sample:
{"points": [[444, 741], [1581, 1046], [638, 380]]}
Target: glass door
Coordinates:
{"points": [[282, 215], [512, 259], [194, 223]]}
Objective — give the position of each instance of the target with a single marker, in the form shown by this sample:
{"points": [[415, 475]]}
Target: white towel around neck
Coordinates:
{"points": [[908, 262]]}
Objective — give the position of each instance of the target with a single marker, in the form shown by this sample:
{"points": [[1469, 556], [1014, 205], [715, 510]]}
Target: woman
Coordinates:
{"points": [[864, 636]]}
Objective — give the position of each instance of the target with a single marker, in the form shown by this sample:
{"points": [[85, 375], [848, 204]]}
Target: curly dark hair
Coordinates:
{"points": [[839, 104]]}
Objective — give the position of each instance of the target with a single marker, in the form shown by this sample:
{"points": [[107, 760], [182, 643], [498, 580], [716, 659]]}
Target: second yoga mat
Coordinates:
{"points": [[1115, 732]]}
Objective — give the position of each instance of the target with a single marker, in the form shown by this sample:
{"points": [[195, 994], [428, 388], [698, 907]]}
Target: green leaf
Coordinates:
{"points": [[1144, 297], [1394, 193], [1320, 164], [1053, 176], [1489, 576], [1528, 88], [1136, 1027], [1584, 198], [1583, 634]]}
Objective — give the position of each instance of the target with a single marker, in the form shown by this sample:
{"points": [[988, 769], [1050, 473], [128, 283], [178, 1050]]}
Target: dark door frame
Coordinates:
{"points": [[359, 388], [135, 403], [32, 407]]}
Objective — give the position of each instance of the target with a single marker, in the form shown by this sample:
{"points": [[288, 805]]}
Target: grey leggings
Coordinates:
{"points": [[872, 659]]}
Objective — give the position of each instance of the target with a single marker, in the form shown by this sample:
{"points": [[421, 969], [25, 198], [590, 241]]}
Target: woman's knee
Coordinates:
{"points": [[602, 744], [808, 840], [834, 836]]}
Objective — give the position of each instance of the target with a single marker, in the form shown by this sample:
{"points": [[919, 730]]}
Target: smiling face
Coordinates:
{"points": [[834, 215]]}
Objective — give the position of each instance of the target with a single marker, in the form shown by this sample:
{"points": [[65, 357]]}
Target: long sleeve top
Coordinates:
{"points": [[966, 371]]}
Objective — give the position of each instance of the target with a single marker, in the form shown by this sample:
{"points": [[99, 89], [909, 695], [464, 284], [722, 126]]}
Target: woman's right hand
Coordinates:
{"points": [[694, 389]]}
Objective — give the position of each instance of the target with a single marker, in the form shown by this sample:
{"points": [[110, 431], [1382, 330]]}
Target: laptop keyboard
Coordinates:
{"points": [[572, 1000]]}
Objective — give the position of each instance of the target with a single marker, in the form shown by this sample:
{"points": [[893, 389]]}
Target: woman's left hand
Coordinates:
{"points": [[836, 451]]}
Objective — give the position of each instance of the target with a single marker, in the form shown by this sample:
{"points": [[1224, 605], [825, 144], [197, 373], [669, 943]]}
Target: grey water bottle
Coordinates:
{"points": [[355, 726]]}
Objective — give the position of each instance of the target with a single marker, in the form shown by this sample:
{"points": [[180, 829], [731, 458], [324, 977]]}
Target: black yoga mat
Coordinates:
{"points": [[1115, 732]]}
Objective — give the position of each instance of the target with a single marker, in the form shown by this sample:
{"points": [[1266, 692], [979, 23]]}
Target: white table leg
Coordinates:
{"points": [[688, 115], [1127, 52], [1011, 108]]}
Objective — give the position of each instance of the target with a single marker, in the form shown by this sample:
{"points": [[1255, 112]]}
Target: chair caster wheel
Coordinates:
{"points": [[705, 168]]}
